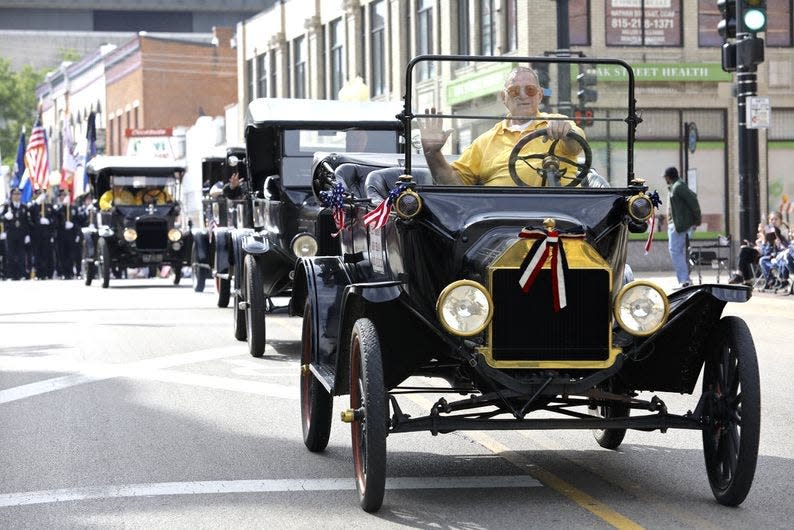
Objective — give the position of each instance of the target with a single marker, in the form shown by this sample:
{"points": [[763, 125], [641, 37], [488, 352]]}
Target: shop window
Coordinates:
{"points": [[644, 23], [378, 47]]}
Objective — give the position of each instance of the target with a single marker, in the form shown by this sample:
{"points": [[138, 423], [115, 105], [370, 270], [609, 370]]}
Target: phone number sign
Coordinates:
{"points": [[643, 22]]}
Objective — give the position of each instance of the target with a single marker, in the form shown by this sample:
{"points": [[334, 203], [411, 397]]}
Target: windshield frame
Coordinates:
{"points": [[407, 115]]}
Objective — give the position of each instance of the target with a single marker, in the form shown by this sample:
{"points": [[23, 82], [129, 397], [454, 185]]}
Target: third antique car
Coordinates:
{"points": [[282, 137], [502, 277]]}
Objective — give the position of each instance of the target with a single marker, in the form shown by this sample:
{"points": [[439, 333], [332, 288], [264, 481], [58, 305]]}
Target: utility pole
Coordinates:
{"points": [[742, 20], [563, 50]]}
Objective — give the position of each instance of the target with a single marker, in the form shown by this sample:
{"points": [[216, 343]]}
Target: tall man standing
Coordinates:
{"points": [[683, 214]]}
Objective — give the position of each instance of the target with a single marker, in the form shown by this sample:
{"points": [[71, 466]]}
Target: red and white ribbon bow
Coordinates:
{"points": [[548, 243]]}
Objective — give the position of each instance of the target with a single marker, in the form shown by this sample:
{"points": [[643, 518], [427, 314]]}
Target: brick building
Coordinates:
{"points": [[300, 48], [160, 81]]}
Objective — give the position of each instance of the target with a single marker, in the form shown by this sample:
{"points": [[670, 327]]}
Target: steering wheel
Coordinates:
{"points": [[574, 180], [151, 196]]}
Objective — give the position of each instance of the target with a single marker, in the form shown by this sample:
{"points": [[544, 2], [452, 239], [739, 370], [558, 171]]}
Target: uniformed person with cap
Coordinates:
{"points": [[65, 233], [43, 236], [16, 221]]}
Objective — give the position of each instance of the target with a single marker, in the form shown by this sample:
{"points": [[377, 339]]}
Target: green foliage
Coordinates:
{"points": [[17, 105], [69, 54]]}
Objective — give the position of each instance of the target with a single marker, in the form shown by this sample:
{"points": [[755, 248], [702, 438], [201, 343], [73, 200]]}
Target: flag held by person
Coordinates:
{"points": [[37, 159], [22, 175]]}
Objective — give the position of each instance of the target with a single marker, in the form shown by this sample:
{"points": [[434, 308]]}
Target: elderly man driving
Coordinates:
{"points": [[485, 161]]}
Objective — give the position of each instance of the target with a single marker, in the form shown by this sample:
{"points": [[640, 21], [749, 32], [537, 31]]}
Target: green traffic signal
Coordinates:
{"points": [[754, 15]]}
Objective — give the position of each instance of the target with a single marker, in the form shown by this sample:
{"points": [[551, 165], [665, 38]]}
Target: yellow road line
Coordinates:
{"points": [[690, 519], [597, 508]]}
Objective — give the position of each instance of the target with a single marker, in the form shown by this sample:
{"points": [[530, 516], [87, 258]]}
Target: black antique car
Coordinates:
{"points": [[282, 137], [138, 219], [515, 296], [212, 241], [234, 221], [201, 255]]}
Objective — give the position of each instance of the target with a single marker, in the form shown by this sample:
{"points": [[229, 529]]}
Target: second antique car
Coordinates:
{"points": [[138, 222], [282, 137], [510, 293]]}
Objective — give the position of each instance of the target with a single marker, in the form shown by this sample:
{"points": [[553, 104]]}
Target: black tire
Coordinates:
{"points": [[317, 404], [104, 262], [733, 411], [238, 316], [368, 430], [610, 438], [177, 270], [255, 324], [88, 267], [199, 275]]}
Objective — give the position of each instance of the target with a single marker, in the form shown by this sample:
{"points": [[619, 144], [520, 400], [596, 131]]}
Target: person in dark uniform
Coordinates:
{"points": [[81, 220], [64, 214], [17, 229], [41, 216]]}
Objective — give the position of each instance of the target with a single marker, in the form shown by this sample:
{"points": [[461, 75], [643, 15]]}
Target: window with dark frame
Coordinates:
{"points": [[487, 28], [261, 67], [648, 24], [378, 47], [511, 25], [249, 73], [337, 57], [464, 45], [273, 92], [299, 66], [778, 29], [424, 37]]}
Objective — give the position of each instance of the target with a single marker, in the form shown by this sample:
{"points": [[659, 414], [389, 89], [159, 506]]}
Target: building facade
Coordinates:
{"points": [[152, 81], [303, 48]]}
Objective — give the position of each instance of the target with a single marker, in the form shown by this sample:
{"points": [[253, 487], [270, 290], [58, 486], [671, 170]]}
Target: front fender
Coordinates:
{"points": [[202, 243], [223, 256], [237, 255], [671, 359], [275, 265], [322, 281], [379, 301]]}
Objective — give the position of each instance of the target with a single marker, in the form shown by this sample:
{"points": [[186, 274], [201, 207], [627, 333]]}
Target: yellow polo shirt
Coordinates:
{"points": [[485, 161]]}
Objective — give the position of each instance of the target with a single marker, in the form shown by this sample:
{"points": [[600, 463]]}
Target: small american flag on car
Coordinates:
{"points": [[378, 217]]}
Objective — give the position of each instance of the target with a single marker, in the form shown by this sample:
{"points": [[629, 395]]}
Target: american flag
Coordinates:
{"points": [[36, 158], [378, 217]]}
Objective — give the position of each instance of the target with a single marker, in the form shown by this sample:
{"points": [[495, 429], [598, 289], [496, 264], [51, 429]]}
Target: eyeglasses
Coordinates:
{"points": [[529, 90]]}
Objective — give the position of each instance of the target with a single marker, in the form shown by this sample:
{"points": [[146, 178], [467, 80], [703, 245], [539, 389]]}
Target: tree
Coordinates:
{"points": [[17, 105]]}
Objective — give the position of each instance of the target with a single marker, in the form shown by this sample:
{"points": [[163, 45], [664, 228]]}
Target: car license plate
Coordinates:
{"points": [[152, 258]]}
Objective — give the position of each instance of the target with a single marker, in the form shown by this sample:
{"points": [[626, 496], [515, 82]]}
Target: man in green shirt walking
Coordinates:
{"points": [[683, 214]]}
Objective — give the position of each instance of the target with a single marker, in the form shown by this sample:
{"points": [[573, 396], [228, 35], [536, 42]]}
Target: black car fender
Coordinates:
{"points": [[379, 301], [222, 250], [275, 265], [202, 240], [671, 359], [237, 255], [90, 238]]}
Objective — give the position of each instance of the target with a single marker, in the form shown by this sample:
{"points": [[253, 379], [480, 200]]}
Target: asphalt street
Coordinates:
{"points": [[134, 406]]}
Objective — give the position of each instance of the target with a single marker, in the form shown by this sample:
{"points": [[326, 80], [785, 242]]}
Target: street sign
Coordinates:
{"points": [[759, 112]]}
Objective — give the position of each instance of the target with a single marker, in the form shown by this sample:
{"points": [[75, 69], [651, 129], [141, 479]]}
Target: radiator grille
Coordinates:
{"points": [[526, 328], [152, 234]]}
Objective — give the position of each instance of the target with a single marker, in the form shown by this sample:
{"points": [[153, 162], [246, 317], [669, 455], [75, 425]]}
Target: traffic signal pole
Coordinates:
{"points": [[749, 194], [563, 49]]}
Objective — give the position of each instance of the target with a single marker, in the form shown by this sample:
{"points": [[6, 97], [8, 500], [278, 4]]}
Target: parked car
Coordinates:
{"points": [[282, 136], [515, 298], [138, 220]]}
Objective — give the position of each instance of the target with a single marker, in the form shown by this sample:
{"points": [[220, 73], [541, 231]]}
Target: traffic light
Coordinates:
{"points": [[754, 15], [750, 51], [727, 26], [587, 79], [583, 116]]}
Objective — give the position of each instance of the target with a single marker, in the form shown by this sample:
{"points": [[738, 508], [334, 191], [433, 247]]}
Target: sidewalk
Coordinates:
{"points": [[667, 281]]}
